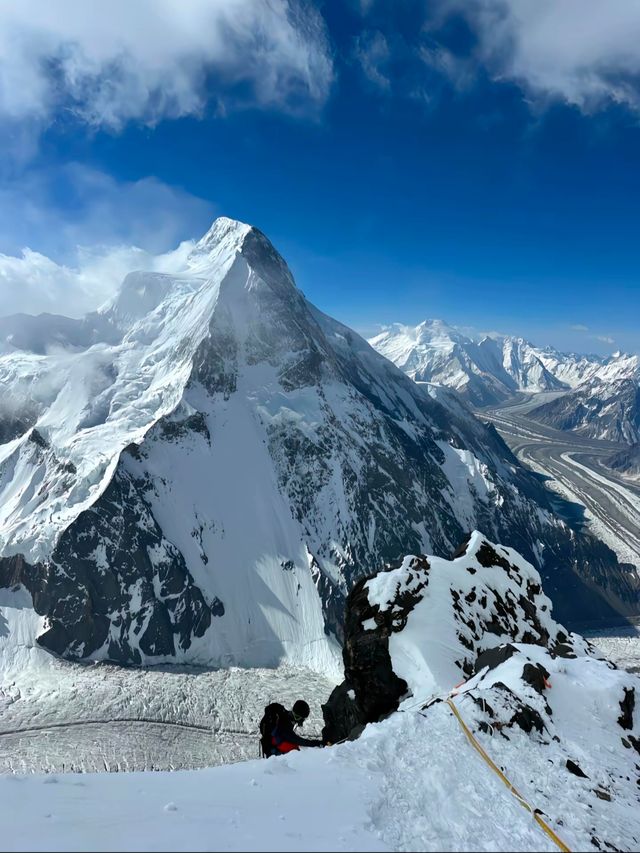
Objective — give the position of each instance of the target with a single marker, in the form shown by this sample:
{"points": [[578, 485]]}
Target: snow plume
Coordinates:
{"points": [[113, 62], [70, 262], [33, 283]]}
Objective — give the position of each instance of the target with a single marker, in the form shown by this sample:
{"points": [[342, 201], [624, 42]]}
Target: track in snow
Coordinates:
{"points": [[67, 717]]}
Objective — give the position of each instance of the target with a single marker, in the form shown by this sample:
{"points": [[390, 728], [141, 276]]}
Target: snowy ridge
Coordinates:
{"points": [[491, 368], [90, 405], [487, 596]]}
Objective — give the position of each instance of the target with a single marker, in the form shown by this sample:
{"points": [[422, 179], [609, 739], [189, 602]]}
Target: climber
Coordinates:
{"points": [[277, 735]]}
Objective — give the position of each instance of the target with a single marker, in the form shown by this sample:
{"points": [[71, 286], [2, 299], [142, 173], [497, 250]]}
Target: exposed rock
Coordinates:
{"points": [[574, 768], [342, 715], [626, 706], [493, 657], [502, 597]]}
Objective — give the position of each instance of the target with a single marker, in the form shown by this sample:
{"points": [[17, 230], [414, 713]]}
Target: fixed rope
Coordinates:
{"points": [[536, 816]]}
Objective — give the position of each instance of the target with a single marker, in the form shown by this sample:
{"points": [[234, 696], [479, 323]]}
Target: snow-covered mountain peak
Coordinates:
{"points": [[219, 470], [430, 328], [223, 230]]}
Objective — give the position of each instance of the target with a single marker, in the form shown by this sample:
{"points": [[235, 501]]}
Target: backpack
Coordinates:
{"points": [[272, 714]]}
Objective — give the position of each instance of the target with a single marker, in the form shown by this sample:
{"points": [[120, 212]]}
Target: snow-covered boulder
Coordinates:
{"points": [[418, 627]]}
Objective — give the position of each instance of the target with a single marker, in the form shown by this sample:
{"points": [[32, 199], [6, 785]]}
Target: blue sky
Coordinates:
{"points": [[477, 162]]}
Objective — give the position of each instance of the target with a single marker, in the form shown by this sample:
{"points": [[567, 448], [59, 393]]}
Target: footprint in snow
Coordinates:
{"points": [[171, 807]]}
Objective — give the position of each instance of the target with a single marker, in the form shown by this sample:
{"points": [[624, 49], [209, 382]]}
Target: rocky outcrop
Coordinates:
{"points": [[467, 649], [465, 617]]}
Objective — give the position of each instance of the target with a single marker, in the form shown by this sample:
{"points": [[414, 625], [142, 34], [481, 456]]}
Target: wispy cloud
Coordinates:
{"points": [[116, 61], [583, 52], [594, 336], [70, 260], [372, 52], [55, 209]]}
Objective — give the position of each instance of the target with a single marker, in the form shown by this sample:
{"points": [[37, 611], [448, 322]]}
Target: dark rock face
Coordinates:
{"points": [[626, 706], [525, 716], [626, 461], [535, 675], [608, 411], [343, 716], [493, 657], [114, 581], [369, 675], [574, 768]]}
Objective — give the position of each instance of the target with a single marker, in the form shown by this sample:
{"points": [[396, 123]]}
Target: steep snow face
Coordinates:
{"points": [[89, 405], [204, 475], [606, 406], [493, 368]]}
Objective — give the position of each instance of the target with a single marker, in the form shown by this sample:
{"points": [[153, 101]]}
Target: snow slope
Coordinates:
{"points": [[199, 472], [549, 710]]}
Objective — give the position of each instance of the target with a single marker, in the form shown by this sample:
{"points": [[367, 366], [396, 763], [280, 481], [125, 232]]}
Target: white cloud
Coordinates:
{"points": [[605, 339], [584, 52], [33, 283], [55, 210], [372, 52], [69, 258], [111, 61], [578, 327]]}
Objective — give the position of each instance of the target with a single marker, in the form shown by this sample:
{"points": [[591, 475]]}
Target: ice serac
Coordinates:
{"points": [[205, 473]]}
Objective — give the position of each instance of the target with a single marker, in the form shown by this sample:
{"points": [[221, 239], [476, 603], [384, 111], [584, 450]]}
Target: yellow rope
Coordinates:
{"points": [[511, 787]]}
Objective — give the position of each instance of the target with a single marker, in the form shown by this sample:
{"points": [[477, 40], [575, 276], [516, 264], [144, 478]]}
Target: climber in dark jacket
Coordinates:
{"points": [[283, 737]]}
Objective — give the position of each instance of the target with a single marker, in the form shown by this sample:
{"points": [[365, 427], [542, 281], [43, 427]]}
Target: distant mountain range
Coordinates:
{"points": [[490, 369]]}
